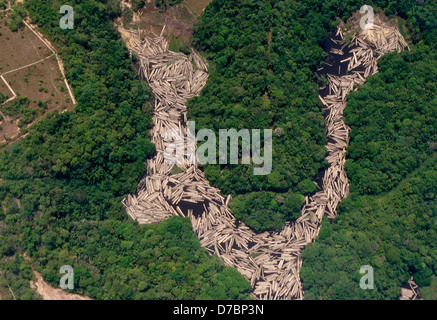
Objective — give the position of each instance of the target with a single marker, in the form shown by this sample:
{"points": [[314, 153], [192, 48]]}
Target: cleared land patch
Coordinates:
{"points": [[197, 6], [20, 48], [31, 82], [178, 20], [42, 82], [43, 85]]}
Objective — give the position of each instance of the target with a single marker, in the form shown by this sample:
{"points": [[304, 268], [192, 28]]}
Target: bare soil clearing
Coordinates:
{"points": [[197, 6], [47, 292], [43, 82], [29, 67], [19, 48], [178, 19]]}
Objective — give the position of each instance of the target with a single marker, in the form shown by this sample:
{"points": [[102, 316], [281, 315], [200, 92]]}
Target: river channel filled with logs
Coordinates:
{"points": [[269, 260]]}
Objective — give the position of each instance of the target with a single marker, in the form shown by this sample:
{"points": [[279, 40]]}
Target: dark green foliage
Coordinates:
{"points": [[112, 258], [164, 4], [267, 210], [20, 108], [264, 56], [138, 4], [61, 187], [390, 219], [106, 139], [15, 274], [394, 121], [395, 234], [16, 18], [265, 60], [3, 97], [113, 8]]}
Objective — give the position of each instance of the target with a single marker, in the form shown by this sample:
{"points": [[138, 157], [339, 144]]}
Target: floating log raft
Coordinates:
{"points": [[410, 292], [269, 260], [385, 37]]}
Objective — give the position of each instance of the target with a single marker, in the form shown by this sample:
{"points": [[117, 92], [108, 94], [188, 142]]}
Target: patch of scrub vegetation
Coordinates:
{"points": [[164, 4], [176, 170], [3, 97], [20, 109], [178, 44], [430, 292], [17, 15]]}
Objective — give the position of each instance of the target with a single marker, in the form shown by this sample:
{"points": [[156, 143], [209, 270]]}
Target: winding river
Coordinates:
{"points": [[270, 260]]}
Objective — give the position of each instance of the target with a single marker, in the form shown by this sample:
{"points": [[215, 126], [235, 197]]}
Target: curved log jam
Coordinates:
{"points": [[270, 260]]}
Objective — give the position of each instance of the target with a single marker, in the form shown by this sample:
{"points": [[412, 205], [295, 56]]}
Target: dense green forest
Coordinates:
{"points": [[264, 53], [264, 56], [390, 219], [61, 187]]}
